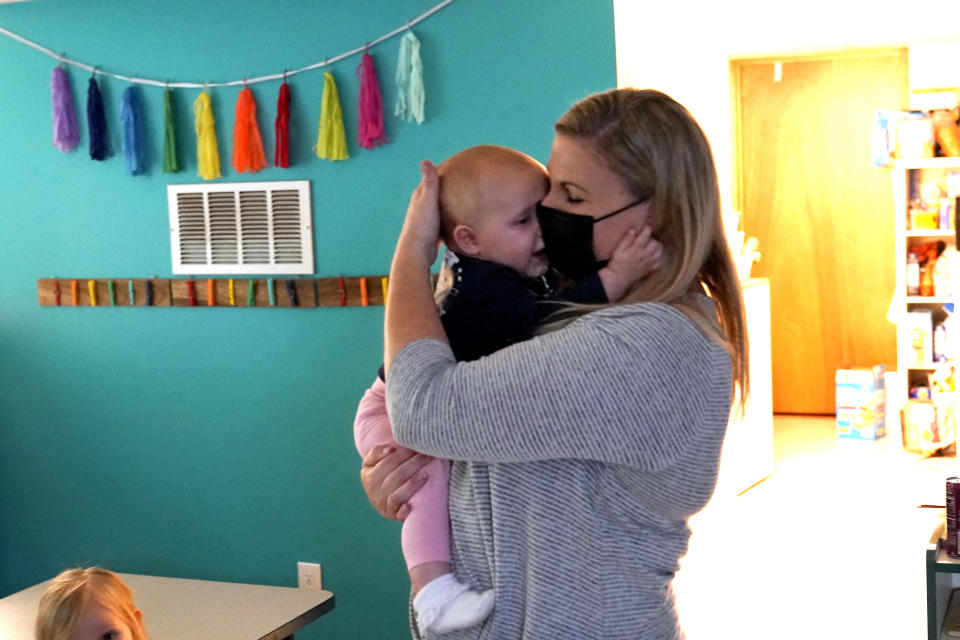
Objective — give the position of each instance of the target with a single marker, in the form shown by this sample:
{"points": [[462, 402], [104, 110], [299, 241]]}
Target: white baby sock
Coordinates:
{"points": [[444, 605]]}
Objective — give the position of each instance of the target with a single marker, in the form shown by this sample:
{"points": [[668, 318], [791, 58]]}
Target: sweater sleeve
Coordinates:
{"points": [[628, 385]]}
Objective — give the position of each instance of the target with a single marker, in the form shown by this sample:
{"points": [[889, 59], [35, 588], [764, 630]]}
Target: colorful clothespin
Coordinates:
{"points": [[148, 292], [56, 292], [92, 288], [130, 292], [383, 287], [211, 293], [113, 293], [364, 299], [233, 297], [251, 296], [271, 292], [191, 293], [342, 291], [75, 292]]}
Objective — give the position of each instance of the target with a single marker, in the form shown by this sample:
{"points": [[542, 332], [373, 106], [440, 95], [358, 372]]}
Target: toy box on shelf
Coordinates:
{"points": [[928, 419], [861, 402]]}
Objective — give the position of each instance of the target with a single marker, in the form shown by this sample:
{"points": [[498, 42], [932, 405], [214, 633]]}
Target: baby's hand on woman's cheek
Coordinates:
{"points": [[637, 254]]}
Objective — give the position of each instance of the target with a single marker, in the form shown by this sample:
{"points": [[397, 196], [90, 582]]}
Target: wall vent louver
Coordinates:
{"points": [[241, 228]]}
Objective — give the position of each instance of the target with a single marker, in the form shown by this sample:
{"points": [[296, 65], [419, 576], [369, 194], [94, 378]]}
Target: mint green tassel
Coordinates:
{"points": [[410, 96]]}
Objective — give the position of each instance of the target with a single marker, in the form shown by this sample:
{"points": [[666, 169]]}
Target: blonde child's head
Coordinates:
{"points": [[488, 198], [88, 604]]}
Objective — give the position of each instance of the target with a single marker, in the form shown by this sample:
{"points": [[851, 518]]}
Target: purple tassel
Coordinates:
{"points": [[132, 131], [96, 122], [66, 134]]}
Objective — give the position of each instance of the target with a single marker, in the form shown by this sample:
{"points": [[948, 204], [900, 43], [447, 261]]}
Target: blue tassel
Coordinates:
{"points": [[96, 122], [132, 117]]}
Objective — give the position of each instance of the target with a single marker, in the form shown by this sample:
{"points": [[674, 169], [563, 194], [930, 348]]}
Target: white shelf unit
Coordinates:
{"points": [[908, 178]]}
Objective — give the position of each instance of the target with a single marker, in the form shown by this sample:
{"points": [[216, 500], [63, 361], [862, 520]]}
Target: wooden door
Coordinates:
{"points": [[824, 215]]}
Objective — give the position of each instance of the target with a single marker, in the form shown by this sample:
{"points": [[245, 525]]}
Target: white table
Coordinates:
{"points": [[179, 609]]}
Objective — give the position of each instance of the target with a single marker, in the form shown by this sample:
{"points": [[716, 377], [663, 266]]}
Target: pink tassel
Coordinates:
{"points": [[66, 133], [370, 108]]}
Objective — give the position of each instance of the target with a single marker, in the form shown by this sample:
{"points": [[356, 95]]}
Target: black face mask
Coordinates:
{"points": [[568, 239]]}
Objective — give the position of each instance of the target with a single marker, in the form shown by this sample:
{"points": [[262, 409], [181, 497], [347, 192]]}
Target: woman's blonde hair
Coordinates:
{"points": [[71, 594], [655, 145]]}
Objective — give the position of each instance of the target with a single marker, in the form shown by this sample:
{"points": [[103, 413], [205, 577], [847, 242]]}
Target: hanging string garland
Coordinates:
{"points": [[66, 134], [207, 85], [248, 152]]}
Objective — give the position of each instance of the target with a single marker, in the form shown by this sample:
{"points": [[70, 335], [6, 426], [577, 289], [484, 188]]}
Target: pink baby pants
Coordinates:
{"points": [[426, 531]]}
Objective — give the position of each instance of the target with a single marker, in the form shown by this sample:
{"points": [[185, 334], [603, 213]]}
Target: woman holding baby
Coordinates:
{"points": [[578, 455]]}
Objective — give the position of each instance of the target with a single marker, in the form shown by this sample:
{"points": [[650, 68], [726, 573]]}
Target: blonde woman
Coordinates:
{"points": [[579, 455], [88, 604]]}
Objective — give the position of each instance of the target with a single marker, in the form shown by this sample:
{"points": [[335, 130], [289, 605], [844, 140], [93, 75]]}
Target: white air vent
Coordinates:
{"points": [[243, 227]]}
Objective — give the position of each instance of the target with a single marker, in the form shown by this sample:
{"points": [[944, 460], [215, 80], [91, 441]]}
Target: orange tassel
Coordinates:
{"points": [[248, 152]]}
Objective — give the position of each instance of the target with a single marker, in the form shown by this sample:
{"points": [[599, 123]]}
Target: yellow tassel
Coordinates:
{"points": [[332, 140], [208, 156]]}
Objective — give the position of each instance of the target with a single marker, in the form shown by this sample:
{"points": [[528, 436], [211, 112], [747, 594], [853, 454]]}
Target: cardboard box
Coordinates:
{"points": [[928, 425], [861, 402]]}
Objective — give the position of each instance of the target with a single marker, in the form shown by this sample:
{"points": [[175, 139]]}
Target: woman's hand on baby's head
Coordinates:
{"points": [[421, 227]]}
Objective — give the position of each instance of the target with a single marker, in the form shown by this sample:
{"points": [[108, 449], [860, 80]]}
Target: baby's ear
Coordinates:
{"points": [[466, 240]]}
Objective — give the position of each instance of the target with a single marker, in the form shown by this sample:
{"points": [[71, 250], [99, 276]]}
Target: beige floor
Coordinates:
{"points": [[830, 546]]}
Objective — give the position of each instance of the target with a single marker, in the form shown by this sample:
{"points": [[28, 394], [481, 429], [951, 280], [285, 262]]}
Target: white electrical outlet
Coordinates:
{"points": [[308, 575]]}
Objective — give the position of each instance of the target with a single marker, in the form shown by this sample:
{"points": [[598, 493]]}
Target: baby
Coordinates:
{"points": [[492, 292], [88, 604]]}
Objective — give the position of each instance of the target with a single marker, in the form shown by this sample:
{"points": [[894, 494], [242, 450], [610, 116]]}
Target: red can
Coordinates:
{"points": [[953, 526]]}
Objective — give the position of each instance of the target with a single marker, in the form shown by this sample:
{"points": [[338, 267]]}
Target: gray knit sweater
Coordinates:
{"points": [[578, 458]]}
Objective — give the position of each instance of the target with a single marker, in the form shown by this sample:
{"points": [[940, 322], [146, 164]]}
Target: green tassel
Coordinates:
{"points": [[170, 163]]}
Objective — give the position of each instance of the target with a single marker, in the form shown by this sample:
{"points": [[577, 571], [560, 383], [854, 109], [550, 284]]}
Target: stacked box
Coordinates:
{"points": [[861, 403], [928, 425]]}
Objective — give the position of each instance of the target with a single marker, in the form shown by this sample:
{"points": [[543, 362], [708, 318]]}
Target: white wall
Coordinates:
{"points": [[683, 48]]}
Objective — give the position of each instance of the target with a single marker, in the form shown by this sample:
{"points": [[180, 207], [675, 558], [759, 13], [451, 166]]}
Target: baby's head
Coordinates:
{"points": [[88, 604], [488, 200]]}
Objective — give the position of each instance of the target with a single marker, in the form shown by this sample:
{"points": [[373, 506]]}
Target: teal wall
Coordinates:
{"points": [[216, 443]]}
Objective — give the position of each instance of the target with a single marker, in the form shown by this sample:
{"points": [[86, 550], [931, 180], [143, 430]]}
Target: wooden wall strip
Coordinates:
{"points": [[166, 292]]}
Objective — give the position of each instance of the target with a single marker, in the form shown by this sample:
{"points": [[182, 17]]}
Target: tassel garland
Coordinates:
{"points": [[132, 118], [332, 140], [409, 104], [170, 162], [208, 156], [281, 154], [370, 110], [66, 133], [248, 152], [96, 122]]}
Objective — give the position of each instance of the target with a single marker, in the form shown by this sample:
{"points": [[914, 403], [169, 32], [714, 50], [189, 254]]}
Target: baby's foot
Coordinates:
{"points": [[444, 605]]}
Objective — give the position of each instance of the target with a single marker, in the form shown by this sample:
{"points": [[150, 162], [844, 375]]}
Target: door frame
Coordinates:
{"points": [[736, 64]]}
